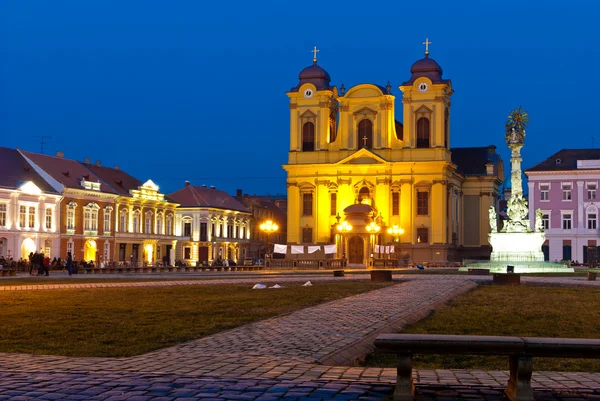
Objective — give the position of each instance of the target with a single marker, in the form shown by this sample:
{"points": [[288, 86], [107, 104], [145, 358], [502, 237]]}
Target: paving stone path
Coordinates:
{"points": [[304, 355]]}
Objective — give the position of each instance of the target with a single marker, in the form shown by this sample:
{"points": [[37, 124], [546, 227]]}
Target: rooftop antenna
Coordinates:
{"points": [[42, 141]]}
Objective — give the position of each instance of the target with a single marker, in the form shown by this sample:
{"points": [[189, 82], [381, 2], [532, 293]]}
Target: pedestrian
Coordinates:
{"points": [[69, 262], [31, 257], [46, 264]]}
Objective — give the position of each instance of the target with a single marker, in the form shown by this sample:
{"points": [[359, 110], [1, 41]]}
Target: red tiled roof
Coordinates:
{"points": [[566, 159], [118, 180], [67, 172], [15, 171], [193, 196]]}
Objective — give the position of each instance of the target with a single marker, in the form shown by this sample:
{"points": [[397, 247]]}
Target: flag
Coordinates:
{"points": [[313, 248], [329, 249], [297, 249], [280, 248]]}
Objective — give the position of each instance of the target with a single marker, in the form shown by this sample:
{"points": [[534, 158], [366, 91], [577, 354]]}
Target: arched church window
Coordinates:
{"points": [[364, 195], [446, 126], [308, 137], [365, 134], [423, 132]]}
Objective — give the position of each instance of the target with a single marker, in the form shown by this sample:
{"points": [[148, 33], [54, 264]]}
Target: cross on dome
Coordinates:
{"points": [[427, 43], [315, 51]]}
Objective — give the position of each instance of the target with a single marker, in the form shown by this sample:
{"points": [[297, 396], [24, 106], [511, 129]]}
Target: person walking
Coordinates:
{"points": [[31, 260], [69, 262], [46, 264]]}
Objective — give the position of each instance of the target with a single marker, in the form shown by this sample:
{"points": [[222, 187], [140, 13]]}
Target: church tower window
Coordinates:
{"points": [[308, 137], [307, 204], [395, 203], [365, 134], [333, 209], [423, 132], [422, 203]]}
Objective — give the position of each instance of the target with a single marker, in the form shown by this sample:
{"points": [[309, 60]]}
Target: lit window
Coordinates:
{"points": [[544, 192], [591, 191], [187, 252], [31, 217], [71, 217], [159, 224], [187, 229], [423, 235], [591, 221], [169, 225], [136, 221], [567, 221], [22, 216], [2, 215], [423, 203], [123, 221], [107, 218], [49, 218], [148, 223], [307, 204], [90, 218], [566, 192]]}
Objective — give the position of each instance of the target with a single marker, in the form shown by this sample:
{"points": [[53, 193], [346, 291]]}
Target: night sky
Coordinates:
{"points": [[195, 90]]}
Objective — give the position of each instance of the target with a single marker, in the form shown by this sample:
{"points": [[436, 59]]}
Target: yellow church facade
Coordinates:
{"points": [[348, 149]]}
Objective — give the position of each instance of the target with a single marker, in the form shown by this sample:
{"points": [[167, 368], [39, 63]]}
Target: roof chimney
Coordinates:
{"points": [[203, 185], [238, 193], [97, 163], [212, 187], [117, 167], [60, 154], [187, 183], [86, 160]]}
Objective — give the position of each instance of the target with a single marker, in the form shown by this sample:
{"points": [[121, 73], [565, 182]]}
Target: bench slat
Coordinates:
{"points": [[562, 347], [449, 344]]}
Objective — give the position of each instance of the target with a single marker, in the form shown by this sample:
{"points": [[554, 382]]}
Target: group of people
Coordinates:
{"points": [[41, 263]]}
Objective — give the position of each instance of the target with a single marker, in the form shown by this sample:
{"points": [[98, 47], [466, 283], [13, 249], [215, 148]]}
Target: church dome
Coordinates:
{"points": [[426, 67], [314, 75]]}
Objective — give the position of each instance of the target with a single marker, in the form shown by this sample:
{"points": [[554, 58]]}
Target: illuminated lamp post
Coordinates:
{"points": [[344, 228], [268, 227], [373, 229], [397, 233]]}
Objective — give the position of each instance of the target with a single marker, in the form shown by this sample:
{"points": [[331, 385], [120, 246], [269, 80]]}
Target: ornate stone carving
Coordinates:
{"points": [[293, 105], [386, 106], [493, 219], [344, 107]]}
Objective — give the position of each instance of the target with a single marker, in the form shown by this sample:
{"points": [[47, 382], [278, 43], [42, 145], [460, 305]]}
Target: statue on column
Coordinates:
{"points": [[539, 226], [493, 219]]}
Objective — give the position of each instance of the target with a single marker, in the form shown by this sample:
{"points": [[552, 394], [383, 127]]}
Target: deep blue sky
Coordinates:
{"points": [[195, 90]]}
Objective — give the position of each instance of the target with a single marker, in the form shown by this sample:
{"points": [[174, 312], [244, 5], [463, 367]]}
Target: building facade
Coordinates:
{"points": [[29, 210], [143, 218], [347, 148], [86, 210], [565, 188], [212, 225]]}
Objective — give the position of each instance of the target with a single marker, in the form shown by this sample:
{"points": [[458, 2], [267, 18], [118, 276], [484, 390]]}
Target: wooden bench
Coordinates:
{"points": [[520, 351]]}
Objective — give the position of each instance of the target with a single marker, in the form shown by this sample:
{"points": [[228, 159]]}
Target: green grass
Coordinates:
{"points": [[530, 311], [132, 321]]}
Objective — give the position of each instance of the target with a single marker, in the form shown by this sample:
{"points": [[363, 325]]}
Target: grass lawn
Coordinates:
{"points": [[529, 311], [132, 321]]}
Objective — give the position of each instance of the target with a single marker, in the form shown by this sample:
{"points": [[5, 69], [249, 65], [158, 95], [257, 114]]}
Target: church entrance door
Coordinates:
{"points": [[356, 250]]}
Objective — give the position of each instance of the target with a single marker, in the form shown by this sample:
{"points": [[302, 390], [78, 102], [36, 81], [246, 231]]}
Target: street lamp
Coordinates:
{"points": [[268, 227], [397, 233], [373, 228], [343, 228]]}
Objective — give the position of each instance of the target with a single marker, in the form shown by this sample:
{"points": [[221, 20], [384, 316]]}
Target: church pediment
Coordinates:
{"points": [[363, 156]]}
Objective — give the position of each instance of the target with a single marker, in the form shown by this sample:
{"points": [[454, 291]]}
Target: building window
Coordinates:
{"points": [[136, 221], [422, 203], [567, 221], [187, 229], [222, 230], [237, 231], [423, 235], [107, 217], [203, 232], [70, 248], [307, 235], [169, 225], [365, 134], [148, 223], [333, 209], [90, 217], [2, 215], [544, 192], [244, 232], [159, 224], [395, 203], [423, 132], [187, 252], [566, 192], [213, 229], [591, 191], [591, 221], [308, 137], [545, 222], [31, 217], [48, 218], [71, 216], [123, 221], [22, 216], [307, 204]]}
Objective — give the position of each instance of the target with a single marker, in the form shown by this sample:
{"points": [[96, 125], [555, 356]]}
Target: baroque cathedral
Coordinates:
{"points": [[353, 163]]}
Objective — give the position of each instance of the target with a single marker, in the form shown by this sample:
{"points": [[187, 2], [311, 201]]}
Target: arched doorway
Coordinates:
{"points": [[89, 251], [27, 247], [356, 250]]}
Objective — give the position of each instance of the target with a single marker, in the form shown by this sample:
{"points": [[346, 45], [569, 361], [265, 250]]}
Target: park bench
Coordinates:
{"points": [[8, 272], [520, 351]]}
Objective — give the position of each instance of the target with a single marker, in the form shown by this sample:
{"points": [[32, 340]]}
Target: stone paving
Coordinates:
{"points": [[304, 355]]}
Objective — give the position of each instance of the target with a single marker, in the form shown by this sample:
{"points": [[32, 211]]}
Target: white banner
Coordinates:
{"points": [[329, 249], [297, 249], [313, 248], [377, 249], [391, 248], [280, 248]]}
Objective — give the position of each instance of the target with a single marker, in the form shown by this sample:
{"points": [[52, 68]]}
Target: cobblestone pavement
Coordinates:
{"points": [[298, 356]]}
